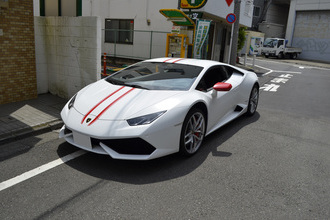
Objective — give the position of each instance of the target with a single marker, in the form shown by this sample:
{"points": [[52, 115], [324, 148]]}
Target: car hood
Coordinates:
{"points": [[105, 101]]}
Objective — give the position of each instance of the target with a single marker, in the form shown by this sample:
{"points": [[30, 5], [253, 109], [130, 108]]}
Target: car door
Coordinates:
{"points": [[220, 103]]}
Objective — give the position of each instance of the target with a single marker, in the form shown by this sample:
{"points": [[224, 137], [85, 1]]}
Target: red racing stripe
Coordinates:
{"points": [[178, 60], [167, 60], [104, 110], [101, 103]]}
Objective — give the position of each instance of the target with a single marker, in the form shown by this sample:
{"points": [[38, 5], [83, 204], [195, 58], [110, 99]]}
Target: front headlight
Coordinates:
{"points": [[73, 99], [145, 119]]}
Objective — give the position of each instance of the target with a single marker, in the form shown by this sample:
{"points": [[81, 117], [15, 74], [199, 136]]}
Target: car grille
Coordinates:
{"points": [[133, 146]]}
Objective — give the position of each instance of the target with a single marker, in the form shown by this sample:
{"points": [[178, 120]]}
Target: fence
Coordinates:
{"points": [[134, 44]]}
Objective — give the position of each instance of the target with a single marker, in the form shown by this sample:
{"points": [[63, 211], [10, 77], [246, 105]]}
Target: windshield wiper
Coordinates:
{"points": [[136, 86], [115, 81], [121, 83]]}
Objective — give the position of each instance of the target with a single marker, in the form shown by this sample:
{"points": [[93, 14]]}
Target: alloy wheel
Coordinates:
{"points": [[194, 132]]}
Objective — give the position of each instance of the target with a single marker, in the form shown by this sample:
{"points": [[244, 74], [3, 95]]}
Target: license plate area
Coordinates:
{"points": [[82, 140]]}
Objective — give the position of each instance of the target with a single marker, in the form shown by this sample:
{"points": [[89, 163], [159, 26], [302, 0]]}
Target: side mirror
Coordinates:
{"points": [[222, 87]]}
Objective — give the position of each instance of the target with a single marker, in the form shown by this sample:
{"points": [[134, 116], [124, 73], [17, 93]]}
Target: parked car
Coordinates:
{"points": [[158, 107]]}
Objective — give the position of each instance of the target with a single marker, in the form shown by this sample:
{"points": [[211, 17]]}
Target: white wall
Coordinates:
{"points": [[312, 31], [142, 10], [68, 53], [309, 28], [303, 5], [220, 9], [139, 11]]}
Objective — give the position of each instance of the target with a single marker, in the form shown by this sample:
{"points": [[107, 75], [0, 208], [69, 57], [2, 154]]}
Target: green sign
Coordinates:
{"points": [[192, 4], [202, 31], [179, 18]]}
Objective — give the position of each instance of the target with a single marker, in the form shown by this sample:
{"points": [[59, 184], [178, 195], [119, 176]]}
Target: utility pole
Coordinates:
{"points": [[237, 11]]}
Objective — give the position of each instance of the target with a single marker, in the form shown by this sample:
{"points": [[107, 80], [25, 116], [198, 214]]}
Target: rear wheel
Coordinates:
{"points": [[253, 101], [294, 56], [193, 132]]}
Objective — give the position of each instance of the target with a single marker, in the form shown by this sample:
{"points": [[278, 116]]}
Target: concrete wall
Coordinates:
{"points": [[277, 14], [68, 53], [272, 30], [303, 5], [308, 28], [312, 31], [17, 59]]}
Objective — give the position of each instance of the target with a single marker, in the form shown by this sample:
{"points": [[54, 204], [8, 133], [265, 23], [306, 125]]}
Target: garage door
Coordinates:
{"points": [[312, 34]]}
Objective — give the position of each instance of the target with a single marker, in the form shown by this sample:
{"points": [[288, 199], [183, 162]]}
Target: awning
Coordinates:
{"points": [[178, 17]]}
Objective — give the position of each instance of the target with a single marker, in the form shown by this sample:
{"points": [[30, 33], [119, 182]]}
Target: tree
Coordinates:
{"points": [[241, 38]]}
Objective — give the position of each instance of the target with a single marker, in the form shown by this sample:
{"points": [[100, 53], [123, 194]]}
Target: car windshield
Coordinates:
{"points": [[270, 43], [157, 76]]}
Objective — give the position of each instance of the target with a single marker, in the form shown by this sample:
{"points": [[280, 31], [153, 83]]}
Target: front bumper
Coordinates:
{"points": [[144, 147]]}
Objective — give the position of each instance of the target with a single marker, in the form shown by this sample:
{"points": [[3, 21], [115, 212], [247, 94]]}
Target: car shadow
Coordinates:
{"points": [[157, 170]]}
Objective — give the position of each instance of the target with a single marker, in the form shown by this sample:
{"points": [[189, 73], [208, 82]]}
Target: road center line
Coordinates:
{"points": [[29, 174]]}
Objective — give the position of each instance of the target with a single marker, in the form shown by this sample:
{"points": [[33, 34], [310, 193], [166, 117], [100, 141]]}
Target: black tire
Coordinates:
{"points": [[266, 56], [253, 101], [280, 56], [294, 56], [193, 132]]}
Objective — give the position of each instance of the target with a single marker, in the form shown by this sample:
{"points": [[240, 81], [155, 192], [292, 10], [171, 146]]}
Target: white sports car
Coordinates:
{"points": [[158, 107]]}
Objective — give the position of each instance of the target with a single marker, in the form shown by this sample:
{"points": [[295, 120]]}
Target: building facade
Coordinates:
{"points": [[17, 51], [308, 27], [142, 29]]}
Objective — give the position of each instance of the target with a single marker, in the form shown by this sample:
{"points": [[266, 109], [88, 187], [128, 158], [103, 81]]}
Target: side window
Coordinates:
{"points": [[211, 77], [61, 8], [229, 70], [280, 43]]}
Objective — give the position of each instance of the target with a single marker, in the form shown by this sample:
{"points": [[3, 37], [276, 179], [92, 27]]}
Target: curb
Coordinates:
{"points": [[25, 132]]}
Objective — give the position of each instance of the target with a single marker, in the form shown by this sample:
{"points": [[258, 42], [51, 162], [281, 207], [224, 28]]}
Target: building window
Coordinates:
{"points": [[256, 11], [119, 31], [61, 8]]}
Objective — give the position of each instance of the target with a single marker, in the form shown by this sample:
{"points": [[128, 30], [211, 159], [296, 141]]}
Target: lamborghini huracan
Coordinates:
{"points": [[158, 107]]}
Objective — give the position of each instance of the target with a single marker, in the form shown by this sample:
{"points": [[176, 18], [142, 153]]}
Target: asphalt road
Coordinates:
{"points": [[274, 165]]}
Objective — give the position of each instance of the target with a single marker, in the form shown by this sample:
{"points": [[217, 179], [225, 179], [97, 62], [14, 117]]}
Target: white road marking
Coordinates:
{"points": [[307, 66], [270, 70], [29, 174]]}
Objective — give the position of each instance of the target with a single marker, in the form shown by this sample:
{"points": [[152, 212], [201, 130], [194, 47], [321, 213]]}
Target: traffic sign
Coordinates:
{"points": [[229, 2], [231, 18]]}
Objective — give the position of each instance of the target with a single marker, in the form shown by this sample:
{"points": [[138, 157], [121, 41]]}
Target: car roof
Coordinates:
{"points": [[187, 61]]}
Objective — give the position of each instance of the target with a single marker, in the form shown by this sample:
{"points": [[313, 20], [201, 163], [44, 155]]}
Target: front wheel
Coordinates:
{"points": [[253, 101], [193, 132]]}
